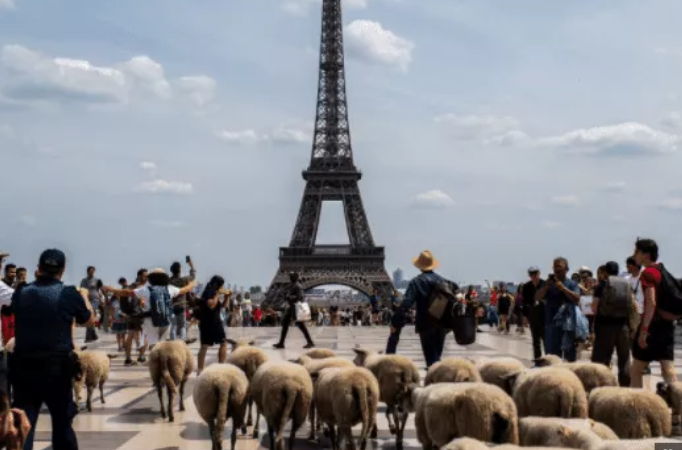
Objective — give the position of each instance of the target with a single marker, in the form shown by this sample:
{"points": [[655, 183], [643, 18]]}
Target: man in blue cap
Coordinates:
{"points": [[43, 364]]}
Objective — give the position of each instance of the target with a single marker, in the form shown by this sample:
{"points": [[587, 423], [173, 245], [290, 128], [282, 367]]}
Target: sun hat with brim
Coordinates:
{"points": [[159, 277], [584, 269], [425, 261], [3, 255]]}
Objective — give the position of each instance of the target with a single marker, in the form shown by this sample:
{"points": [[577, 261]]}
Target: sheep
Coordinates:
{"points": [[548, 392], [580, 439], [452, 370], [248, 359], [495, 371], [346, 396], [92, 371], [14, 425], [220, 393], [395, 373], [320, 353], [465, 443], [170, 364], [314, 366], [535, 431], [631, 413], [672, 394], [444, 411], [282, 391], [591, 375]]}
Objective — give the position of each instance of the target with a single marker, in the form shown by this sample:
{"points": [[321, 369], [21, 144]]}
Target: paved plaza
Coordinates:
{"points": [[130, 418]]}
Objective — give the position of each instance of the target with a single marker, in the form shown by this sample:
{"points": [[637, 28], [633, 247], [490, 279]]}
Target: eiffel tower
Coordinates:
{"points": [[331, 176]]}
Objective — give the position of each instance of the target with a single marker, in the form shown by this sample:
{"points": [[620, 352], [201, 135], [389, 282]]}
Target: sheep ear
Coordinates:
{"points": [[563, 431], [381, 352], [360, 351], [252, 342], [231, 341], [112, 356], [662, 386]]}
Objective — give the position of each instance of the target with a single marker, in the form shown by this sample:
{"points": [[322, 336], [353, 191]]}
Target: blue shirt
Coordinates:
{"points": [[554, 298], [44, 311], [418, 294]]}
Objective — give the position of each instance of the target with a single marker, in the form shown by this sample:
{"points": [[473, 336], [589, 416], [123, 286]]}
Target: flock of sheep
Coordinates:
{"points": [[463, 405]]}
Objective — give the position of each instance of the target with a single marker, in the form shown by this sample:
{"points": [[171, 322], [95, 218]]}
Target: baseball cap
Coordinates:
{"points": [[52, 259], [533, 269]]}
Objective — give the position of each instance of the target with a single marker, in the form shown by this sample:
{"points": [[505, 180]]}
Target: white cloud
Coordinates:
{"points": [[433, 199], [623, 139], [7, 4], [552, 224], [508, 139], [566, 200], [672, 204], [167, 224], [148, 166], [165, 187], [29, 76], [492, 129], [369, 41], [290, 136], [239, 137], [614, 186]]}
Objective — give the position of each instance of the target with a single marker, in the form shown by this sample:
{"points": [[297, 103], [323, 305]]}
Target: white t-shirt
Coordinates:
{"points": [[639, 292], [143, 294], [6, 293], [246, 305]]}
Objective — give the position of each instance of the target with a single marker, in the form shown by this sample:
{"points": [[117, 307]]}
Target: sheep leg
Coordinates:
{"points": [[181, 400], [271, 436], [292, 435], [313, 423], [211, 430], [88, 399], [375, 432], [249, 422], [398, 429], [233, 435], [159, 391], [332, 437], [256, 427], [101, 392], [348, 434], [171, 414], [389, 413]]}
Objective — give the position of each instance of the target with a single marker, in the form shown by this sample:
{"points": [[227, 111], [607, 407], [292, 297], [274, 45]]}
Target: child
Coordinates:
{"points": [[119, 326]]}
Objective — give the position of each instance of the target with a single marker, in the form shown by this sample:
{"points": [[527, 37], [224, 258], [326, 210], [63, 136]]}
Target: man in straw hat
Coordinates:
{"points": [[418, 294]]}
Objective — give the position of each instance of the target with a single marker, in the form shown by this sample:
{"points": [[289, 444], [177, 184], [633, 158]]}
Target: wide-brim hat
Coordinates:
{"points": [[425, 261], [160, 275], [3, 255]]}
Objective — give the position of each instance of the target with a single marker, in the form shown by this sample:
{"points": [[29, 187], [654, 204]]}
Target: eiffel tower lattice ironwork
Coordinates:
{"points": [[331, 176]]}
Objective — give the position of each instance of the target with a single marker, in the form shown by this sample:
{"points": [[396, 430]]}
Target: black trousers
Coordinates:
{"points": [[289, 316], [393, 339], [536, 320], [608, 337], [46, 379], [433, 343]]}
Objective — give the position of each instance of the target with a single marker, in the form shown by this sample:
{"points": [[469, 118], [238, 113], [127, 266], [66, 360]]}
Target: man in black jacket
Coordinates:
{"points": [[534, 311], [294, 295]]}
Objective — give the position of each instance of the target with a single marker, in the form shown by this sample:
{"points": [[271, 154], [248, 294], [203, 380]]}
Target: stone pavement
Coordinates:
{"points": [[130, 419]]}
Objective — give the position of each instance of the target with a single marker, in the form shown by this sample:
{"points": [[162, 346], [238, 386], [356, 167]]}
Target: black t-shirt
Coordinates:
{"points": [[209, 315], [529, 290]]}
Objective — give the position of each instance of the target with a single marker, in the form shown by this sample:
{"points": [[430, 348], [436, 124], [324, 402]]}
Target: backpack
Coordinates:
{"points": [[615, 300], [441, 304], [669, 300], [161, 310]]}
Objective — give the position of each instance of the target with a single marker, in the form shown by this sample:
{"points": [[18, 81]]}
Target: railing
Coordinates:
{"points": [[322, 251]]}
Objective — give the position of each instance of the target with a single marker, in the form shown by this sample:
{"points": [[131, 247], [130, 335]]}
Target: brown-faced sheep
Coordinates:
{"points": [[220, 393], [314, 366], [580, 439], [170, 364], [444, 411], [248, 359], [538, 431], [93, 372], [631, 413], [452, 370], [671, 393], [496, 370], [549, 392], [282, 391], [345, 397], [591, 375]]}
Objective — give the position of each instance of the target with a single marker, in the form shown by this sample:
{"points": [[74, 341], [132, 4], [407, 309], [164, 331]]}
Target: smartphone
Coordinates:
{"points": [[550, 276], [187, 259]]}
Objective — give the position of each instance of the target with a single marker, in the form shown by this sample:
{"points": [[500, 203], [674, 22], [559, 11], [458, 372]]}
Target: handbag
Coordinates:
{"points": [[302, 312], [464, 324]]}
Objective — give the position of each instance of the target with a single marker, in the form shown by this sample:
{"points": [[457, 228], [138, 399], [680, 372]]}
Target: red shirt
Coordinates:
{"points": [[7, 328], [257, 314], [493, 299], [650, 277]]}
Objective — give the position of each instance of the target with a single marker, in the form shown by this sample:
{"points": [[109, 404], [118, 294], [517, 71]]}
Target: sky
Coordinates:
{"points": [[496, 134]]}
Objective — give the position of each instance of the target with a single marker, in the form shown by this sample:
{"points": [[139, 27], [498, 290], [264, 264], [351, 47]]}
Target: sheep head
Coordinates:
{"points": [[664, 391], [362, 354], [509, 380], [547, 360], [239, 343], [302, 360], [408, 402]]}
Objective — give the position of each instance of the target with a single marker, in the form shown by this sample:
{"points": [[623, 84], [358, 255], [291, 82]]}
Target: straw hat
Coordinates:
{"points": [[425, 261], [3, 255]]}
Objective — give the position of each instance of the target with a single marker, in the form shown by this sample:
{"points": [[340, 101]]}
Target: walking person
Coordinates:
{"points": [[655, 337], [418, 294], [43, 363], [132, 309], [96, 297], [293, 296], [211, 330], [615, 321], [179, 324], [504, 306]]}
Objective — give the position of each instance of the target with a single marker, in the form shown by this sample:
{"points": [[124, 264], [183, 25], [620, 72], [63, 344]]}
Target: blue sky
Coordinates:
{"points": [[496, 134]]}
